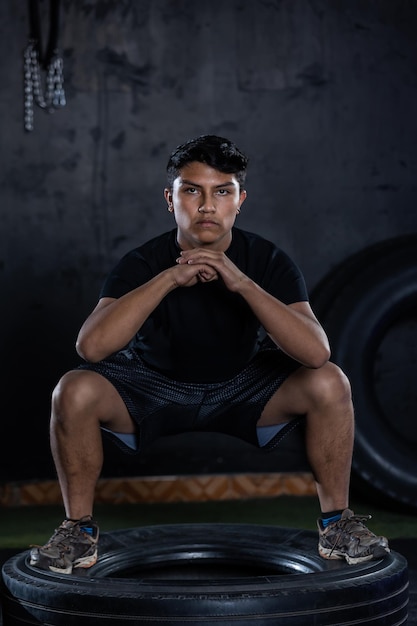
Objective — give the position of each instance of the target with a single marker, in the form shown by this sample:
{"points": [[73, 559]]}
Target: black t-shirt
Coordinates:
{"points": [[204, 333]]}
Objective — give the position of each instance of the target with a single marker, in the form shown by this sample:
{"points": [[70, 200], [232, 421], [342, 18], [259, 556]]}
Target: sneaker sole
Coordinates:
{"points": [[84, 563], [330, 554]]}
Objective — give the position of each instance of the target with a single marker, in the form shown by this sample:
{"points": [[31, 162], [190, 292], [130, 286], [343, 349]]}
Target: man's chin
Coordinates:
{"points": [[211, 237]]}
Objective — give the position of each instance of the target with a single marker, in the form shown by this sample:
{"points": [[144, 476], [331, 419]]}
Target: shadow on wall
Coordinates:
{"points": [[38, 353]]}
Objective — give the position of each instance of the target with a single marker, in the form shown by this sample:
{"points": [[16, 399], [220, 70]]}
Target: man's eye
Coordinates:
{"points": [[191, 190], [223, 192]]}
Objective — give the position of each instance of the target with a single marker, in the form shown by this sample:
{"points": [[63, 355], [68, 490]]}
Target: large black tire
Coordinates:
{"points": [[219, 574], [368, 306]]}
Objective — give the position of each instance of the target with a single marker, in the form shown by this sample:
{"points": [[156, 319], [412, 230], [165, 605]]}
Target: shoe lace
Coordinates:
{"points": [[62, 537], [352, 525]]}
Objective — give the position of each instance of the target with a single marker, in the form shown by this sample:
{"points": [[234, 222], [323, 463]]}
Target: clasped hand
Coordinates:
{"points": [[204, 265]]}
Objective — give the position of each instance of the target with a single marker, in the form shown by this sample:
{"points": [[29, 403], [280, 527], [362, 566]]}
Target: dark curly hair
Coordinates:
{"points": [[217, 152]]}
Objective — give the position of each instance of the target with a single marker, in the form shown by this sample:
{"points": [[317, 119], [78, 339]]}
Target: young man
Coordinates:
{"points": [[174, 345]]}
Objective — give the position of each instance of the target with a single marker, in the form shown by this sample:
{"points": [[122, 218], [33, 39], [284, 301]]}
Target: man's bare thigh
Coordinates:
{"points": [[292, 398], [301, 391]]}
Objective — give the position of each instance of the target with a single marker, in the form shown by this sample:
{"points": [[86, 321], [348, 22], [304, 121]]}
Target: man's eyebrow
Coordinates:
{"points": [[184, 181]]}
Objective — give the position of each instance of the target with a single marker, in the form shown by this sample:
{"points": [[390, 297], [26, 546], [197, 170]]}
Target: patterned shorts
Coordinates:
{"points": [[161, 406]]}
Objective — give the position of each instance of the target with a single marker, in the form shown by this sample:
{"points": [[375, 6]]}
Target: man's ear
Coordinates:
{"points": [[242, 198], [168, 198]]}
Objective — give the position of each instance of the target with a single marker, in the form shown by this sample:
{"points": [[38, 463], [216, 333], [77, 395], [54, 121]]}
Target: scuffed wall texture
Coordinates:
{"points": [[321, 95]]}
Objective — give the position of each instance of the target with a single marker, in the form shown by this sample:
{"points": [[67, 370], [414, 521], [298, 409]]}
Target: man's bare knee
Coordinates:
{"points": [[308, 389], [83, 395], [74, 393], [330, 384]]}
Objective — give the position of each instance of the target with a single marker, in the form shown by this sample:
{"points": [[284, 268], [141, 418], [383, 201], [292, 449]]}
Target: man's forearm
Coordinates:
{"points": [[114, 322], [293, 328]]}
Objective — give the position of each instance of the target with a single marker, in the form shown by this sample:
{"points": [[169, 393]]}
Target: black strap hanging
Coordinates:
{"points": [[36, 60], [35, 31]]}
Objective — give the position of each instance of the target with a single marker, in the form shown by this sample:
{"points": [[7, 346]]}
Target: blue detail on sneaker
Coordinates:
{"points": [[350, 539]]}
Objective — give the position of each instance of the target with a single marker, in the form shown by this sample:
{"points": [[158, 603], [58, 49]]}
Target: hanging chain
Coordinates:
{"points": [[47, 93]]}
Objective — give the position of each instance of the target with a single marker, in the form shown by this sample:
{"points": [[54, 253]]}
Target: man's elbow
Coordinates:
{"points": [[86, 351], [320, 357]]}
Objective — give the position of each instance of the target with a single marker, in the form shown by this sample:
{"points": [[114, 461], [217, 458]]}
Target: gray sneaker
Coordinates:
{"points": [[350, 539], [73, 544]]}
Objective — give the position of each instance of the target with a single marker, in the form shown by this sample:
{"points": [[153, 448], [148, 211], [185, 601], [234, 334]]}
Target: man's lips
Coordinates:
{"points": [[207, 223]]}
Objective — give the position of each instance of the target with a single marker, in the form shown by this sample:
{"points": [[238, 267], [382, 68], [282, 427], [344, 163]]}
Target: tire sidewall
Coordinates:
{"points": [[306, 587], [357, 304]]}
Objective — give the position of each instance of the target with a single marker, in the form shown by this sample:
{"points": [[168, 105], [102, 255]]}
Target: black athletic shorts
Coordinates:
{"points": [[161, 406]]}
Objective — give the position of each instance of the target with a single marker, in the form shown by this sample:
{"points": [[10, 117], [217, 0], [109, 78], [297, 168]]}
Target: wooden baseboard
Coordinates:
{"points": [[167, 489]]}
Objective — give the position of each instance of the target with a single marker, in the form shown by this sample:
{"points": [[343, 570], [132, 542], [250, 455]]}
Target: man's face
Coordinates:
{"points": [[205, 203]]}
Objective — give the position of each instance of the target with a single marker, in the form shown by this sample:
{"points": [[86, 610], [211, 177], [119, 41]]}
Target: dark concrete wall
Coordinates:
{"points": [[321, 95]]}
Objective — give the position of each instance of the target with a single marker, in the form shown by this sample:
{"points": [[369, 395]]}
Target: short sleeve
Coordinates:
{"points": [[284, 280], [130, 272]]}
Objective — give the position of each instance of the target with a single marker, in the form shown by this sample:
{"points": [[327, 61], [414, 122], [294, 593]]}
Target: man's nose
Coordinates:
{"points": [[207, 205]]}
